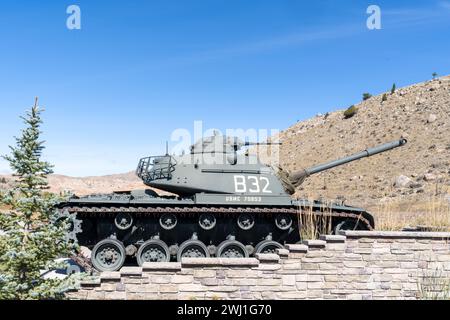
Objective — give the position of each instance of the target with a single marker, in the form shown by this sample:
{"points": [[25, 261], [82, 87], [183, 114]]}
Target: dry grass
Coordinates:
{"points": [[312, 224], [434, 285], [433, 213]]}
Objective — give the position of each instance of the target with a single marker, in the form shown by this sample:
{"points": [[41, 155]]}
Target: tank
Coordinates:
{"points": [[221, 203]]}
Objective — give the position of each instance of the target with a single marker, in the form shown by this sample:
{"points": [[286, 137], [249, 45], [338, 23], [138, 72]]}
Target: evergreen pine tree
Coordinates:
{"points": [[29, 242]]}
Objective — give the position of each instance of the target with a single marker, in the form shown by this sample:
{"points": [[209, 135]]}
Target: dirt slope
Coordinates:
{"points": [[411, 174]]}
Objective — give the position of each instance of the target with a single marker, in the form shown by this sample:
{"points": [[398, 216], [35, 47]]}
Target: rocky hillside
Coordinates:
{"points": [[87, 185], [410, 174]]}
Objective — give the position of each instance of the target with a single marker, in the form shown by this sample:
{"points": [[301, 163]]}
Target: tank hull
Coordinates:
{"points": [[258, 225]]}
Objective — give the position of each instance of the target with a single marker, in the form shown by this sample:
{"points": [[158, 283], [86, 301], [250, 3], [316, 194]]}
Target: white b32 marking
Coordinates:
{"points": [[252, 184]]}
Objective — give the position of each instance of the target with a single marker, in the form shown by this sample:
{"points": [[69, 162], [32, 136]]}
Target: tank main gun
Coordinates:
{"points": [[295, 179], [246, 144], [249, 144]]}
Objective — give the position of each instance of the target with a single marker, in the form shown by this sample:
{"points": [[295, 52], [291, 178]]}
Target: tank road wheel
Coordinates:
{"points": [[283, 221], [192, 249], [168, 221], [153, 251], [246, 221], [232, 249], [108, 255], [207, 221], [268, 246], [123, 221], [348, 224]]}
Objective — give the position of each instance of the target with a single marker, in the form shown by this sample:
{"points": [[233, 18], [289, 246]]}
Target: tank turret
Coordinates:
{"points": [[215, 166]]}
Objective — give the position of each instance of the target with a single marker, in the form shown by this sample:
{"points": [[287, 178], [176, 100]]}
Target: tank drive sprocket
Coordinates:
{"points": [[73, 224]]}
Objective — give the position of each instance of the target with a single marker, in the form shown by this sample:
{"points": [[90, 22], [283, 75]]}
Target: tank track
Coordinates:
{"points": [[182, 211]]}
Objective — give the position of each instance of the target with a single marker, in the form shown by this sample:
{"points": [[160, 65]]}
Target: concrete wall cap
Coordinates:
{"points": [[282, 252], [250, 262], [333, 238], [211, 262], [396, 234], [297, 247], [131, 271], [161, 266], [268, 257], [110, 275], [314, 243]]}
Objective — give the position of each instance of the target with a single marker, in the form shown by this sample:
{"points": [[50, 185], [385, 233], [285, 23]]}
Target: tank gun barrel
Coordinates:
{"points": [[299, 176], [246, 144], [366, 153]]}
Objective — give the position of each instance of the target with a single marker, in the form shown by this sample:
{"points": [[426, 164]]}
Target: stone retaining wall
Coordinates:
{"points": [[356, 265]]}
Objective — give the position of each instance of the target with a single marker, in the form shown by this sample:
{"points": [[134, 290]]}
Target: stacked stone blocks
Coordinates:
{"points": [[355, 265]]}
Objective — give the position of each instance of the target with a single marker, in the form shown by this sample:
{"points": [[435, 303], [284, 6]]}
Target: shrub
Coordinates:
{"points": [[366, 96], [384, 97], [350, 112], [393, 89]]}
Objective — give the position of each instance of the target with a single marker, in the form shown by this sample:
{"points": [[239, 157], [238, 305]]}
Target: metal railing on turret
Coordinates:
{"points": [[155, 167]]}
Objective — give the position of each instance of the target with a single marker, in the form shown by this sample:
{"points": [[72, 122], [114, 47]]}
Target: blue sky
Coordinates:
{"points": [[115, 90]]}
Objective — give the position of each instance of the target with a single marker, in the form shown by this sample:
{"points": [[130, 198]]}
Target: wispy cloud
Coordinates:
{"points": [[251, 47], [278, 42], [394, 18], [419, 14], [403, 18], [444, 4]]}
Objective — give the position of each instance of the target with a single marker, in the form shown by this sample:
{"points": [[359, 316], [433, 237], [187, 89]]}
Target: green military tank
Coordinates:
{"points": [[222, 203]]}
